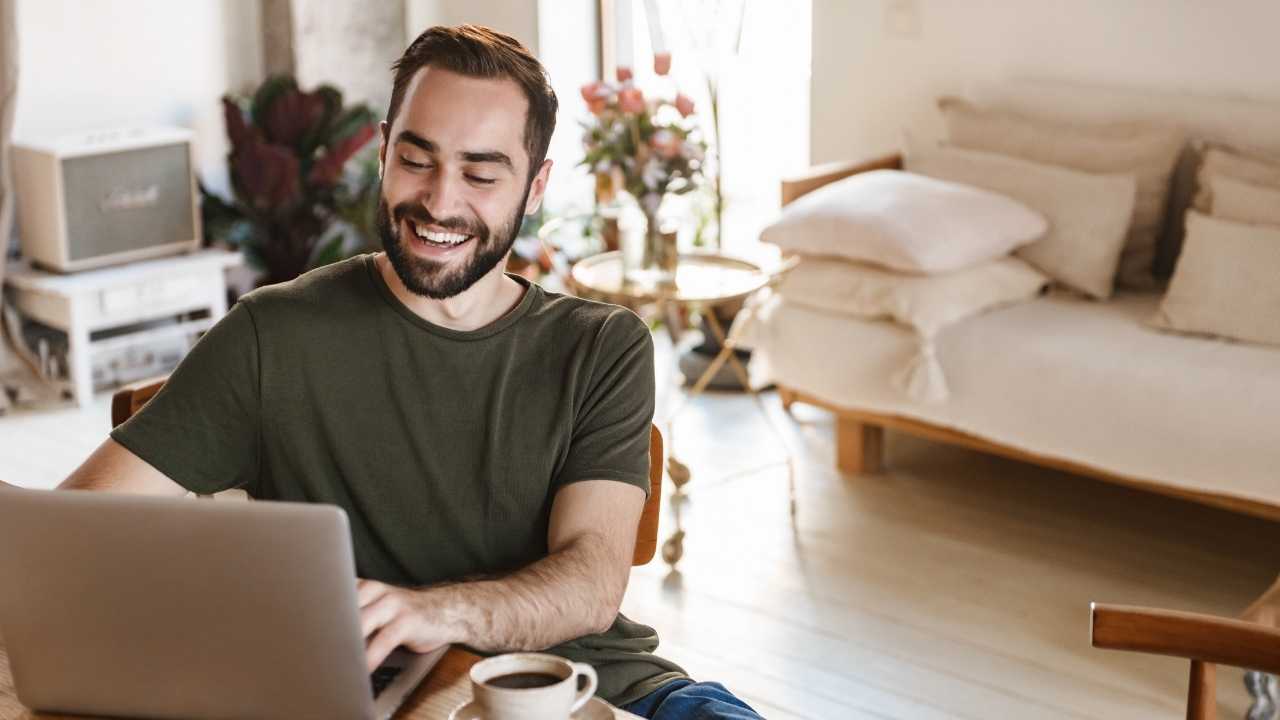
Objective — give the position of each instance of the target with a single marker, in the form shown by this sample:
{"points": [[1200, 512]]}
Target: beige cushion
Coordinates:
{"points": [[1088, 213], [925, 303], [1225, 283], [1220, 161], [1149, 152], [1244, 202], [906, 222]]}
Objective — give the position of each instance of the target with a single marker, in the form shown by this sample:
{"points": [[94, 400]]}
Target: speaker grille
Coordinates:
{"points": [[127, 200]]}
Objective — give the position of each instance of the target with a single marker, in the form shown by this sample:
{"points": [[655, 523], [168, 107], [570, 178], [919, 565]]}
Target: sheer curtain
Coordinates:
{"points": [[8, 99], [8, 96]]}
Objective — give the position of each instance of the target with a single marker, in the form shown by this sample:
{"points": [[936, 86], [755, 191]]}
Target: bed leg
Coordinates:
{"points": [[859, 446]]}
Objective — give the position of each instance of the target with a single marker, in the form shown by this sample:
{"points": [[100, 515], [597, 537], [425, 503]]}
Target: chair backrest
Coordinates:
{"points": [[129, 399]]}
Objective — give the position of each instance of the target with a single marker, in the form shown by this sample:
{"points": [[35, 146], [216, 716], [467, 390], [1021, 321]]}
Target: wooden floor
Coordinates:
{"points": [[953, 585]]}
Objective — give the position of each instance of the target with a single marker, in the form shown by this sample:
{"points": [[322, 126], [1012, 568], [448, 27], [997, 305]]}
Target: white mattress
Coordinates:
{"points": [[1060, 377]]}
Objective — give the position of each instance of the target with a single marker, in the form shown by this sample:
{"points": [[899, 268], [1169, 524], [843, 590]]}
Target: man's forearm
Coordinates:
{"points": [[568, 594]]}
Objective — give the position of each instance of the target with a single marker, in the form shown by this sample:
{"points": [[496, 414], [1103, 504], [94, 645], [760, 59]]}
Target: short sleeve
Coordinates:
{"points": [[610, 438], [202, 429]]}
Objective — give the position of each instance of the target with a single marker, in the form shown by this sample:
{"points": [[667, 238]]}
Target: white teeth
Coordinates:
{"points": [[439, 237]]}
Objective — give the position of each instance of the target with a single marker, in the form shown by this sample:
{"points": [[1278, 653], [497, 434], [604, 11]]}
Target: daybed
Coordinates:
{"points": [[1061, 381]]}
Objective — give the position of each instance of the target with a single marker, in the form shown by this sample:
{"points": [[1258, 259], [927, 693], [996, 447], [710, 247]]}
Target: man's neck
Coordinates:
{"points": [[491, 297]]}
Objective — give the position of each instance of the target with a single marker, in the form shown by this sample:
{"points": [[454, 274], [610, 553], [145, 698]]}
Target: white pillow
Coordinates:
{"points": [[1088, 214], [1225, 283], [1253, 169], [905, 222], [1147, 151], [924, 303], [1244, 202]]}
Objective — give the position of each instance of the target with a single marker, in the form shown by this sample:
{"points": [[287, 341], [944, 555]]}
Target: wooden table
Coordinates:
{"points": [[703, 281], [445, 688]]}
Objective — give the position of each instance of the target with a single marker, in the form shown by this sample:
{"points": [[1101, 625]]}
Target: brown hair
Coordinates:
{"points": [[479, 52]]}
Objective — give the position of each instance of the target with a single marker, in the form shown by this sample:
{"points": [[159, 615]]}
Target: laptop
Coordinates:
{"points": [[137, 606]]}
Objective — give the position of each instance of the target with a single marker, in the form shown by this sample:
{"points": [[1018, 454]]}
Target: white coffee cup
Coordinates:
{"points": [[530, 686]]}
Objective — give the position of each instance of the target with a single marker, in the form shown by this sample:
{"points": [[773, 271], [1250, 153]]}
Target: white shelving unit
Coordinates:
{"points": [[83, 303]]}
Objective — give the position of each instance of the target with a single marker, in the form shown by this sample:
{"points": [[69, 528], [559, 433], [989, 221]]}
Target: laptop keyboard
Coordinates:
{"points": [[382, 677]]}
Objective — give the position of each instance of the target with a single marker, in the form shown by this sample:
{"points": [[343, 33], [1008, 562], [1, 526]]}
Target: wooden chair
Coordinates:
{"points": [[129, 399], [1207, 641]]}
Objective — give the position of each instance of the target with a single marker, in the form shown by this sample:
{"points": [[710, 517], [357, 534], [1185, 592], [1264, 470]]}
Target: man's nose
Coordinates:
{"points": [[443, 197]]}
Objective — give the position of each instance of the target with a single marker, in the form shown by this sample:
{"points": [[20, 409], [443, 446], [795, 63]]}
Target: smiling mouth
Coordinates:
{"points": [[438, 238]]}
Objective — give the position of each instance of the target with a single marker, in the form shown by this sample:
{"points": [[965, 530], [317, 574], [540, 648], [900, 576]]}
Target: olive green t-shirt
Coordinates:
{"points": [[444, 447]]}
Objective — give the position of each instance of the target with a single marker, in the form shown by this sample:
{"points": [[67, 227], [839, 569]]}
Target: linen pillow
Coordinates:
{"points": [[1244, 202], [905, 222], [1225, 283], [1221, 161], [925, 303], [1149, 152], [1088, 214]]}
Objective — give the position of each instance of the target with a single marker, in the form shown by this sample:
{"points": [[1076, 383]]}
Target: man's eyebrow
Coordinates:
{"points": [[413, 138], [489, 156], [482, 156]]}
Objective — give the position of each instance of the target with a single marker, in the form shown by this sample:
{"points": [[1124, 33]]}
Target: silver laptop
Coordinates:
{"points": [[136, 606]]}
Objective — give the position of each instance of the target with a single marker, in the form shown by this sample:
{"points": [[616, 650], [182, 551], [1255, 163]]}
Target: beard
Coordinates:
{"points": [[434, 279]]}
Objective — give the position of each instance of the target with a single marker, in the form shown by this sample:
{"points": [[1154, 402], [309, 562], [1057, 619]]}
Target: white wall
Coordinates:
{"points": [[98, 64], [517, 18], [350, 45], [879, 64]]}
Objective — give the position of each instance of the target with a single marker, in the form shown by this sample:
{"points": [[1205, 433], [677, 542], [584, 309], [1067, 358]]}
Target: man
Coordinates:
{"points": [[488, 439]]}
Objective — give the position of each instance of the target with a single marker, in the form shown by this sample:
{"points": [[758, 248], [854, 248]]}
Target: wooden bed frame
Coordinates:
{"points": [[860, 433]]}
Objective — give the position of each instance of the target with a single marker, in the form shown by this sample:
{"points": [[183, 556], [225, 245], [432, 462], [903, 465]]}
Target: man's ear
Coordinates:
{"points": [[537, 188], [382, 147]]}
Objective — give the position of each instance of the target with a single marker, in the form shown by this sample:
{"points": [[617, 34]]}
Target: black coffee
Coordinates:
{"points": [[523, 680]]}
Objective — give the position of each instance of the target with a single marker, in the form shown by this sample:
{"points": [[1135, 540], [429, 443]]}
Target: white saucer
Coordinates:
{"points": [[595, 709]]}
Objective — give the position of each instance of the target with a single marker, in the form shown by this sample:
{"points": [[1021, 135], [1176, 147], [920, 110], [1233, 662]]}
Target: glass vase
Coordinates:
{"points": [[651, 258]]}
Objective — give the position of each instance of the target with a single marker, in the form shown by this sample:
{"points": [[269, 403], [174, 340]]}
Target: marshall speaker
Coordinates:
{"points": [[96, 199]]}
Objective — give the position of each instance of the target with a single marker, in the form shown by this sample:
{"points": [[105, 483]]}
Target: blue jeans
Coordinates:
{"points": [[688, 700]]}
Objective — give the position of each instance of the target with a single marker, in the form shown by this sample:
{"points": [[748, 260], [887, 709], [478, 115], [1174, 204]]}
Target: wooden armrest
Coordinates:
{"points": [[647, 533], [1193, 636], [129, 399], [819, 175]]}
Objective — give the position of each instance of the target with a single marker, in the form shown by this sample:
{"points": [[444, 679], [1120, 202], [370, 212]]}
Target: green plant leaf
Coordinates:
{"points": [[322, 132], [329, 252], [348, 122], [270, 89]]}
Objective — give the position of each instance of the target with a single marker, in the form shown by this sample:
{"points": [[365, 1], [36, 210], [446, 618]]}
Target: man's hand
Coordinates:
{"points": [[391, 616], [574, 591]]}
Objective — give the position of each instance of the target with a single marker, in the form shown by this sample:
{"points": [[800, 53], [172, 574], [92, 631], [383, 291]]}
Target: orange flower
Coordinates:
{"points": [[624, 73], [662, 63], [631, 100], [684, 104], [597, 105], [592, 90]]}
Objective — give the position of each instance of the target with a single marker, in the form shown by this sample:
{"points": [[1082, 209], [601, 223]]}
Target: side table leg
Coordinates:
{"points": [[728, 348], [673, 548], [81, 370], [1262, 688]]}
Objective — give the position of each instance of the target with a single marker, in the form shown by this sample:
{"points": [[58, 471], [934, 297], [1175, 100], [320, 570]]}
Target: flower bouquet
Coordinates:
{"points": [[645, 147]]}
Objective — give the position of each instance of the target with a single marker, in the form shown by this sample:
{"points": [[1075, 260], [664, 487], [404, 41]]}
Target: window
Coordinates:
{"points": [[763, 89]]}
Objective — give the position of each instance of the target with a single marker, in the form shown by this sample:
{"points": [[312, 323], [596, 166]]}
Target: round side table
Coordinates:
{"points": [[702, 282]]}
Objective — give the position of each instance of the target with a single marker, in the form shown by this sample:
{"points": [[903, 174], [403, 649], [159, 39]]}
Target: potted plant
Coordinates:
{"points": [[296, 205]]}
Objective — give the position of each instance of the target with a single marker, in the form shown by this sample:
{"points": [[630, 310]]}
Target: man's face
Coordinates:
{"points": [[454, 180]]}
